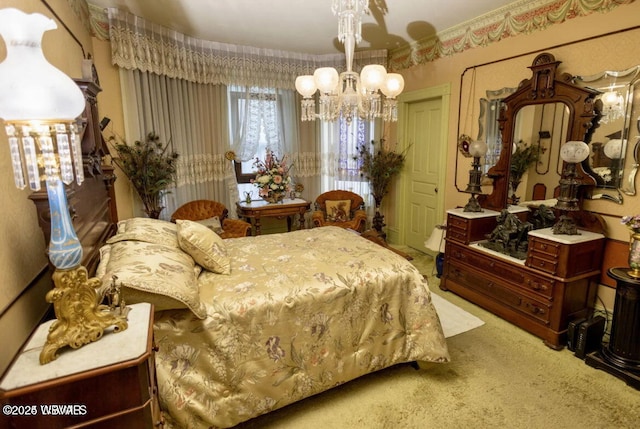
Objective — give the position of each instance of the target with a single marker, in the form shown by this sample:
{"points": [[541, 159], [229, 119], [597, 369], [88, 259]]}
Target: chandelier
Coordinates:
{"points": [[612, 106], [348, 94]]}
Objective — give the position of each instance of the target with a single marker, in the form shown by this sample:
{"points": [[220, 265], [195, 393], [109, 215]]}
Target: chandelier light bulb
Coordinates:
{"points": [[373, 77], [306, 86], [326, 79], [393, 85], [610, 98]]}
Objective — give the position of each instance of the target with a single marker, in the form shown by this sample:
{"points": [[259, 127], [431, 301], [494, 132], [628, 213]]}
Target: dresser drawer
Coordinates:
{"points": [[457, 222], [518, 276], [548, 248], [456, 234], [467, 230], [542, 263], [499, 292], [565, 260]]}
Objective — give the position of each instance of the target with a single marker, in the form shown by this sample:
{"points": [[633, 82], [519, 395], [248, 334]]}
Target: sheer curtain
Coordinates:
{"points": [[340, 165], [193, 118]]}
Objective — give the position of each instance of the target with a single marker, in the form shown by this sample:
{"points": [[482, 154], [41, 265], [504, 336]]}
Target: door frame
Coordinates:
{"points": [[442, 92]]}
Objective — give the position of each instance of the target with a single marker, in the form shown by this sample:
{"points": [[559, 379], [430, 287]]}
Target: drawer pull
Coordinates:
{"points": [[535, 285], [537, 310], [542, 263], [543, 246]]}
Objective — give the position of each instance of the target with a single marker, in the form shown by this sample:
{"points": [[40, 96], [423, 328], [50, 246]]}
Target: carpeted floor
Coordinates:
{"points": [[499, 377]]}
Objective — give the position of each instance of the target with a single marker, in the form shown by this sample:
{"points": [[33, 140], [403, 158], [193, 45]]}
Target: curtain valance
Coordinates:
{"points": [[140, 44]]}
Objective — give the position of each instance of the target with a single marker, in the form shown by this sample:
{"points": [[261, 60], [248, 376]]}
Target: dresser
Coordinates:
{"points": [[103, 385], [556, 283]]}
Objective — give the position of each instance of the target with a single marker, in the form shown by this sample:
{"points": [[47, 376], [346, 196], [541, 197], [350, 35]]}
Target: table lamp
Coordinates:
{"points": [[477, 150], [572, 153], [39, 105]]}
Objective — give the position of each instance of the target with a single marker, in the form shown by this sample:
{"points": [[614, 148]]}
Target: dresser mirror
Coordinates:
{"points": [[548, 109], [614, 145], [543, 129]]}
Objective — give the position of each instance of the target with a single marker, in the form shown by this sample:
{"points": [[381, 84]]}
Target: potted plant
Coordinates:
{"points": [[379, 166], [150, 166]]}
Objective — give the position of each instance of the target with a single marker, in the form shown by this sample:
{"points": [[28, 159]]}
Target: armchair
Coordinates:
{"points": [[340, 208], [202, 210]]}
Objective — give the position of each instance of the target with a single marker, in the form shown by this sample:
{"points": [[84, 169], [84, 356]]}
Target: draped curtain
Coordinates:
{"points": [[193, 118], [178, 86]]}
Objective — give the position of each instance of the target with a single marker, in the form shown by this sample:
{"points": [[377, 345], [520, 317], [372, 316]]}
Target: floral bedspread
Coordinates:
{"points": [[300, 313]]}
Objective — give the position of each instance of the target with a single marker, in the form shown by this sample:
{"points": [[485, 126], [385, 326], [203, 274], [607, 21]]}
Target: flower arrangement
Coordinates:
{"points": [[272, 177], [632, 222], [150, 166], [379, 167]]}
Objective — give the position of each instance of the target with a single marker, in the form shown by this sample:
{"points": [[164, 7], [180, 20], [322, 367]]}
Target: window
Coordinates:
{"points": [[340, 148], [253, 121]]}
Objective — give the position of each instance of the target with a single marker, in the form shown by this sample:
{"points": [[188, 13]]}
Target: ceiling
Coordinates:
{"points": [[305, 26]]}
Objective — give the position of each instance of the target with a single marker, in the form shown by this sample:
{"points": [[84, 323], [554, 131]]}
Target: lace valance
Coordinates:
{"points": [[142, 45]]}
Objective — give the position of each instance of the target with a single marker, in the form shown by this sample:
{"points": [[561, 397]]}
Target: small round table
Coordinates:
{"points": [[621, 357]]}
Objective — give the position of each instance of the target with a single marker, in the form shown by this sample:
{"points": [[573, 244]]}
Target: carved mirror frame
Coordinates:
{"points": [[545, 86]]}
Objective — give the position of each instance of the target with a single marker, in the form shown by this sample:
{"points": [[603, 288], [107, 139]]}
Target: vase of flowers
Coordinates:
{"points": [[150, 166], [379, 166], [633, 223], [272, 177]]}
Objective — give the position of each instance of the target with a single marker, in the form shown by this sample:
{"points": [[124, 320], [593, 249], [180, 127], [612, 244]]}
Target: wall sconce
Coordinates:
{"points": [[39, 105], [477, 150], [572, 153]]}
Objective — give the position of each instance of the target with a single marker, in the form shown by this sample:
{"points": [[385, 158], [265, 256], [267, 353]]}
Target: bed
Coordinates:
{"points": [[248, 325]]}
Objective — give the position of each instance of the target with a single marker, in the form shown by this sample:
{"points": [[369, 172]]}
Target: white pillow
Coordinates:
{"points": [[205, 246]]}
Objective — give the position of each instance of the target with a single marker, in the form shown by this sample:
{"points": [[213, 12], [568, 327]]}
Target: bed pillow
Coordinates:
{"points": [[154, 273], [205, 246], [338, 211], [149, 230], [213, 223], [105, 254]]}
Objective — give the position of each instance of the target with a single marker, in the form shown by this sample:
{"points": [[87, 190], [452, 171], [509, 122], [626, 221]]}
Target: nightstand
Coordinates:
{"points": [[110, 383]]}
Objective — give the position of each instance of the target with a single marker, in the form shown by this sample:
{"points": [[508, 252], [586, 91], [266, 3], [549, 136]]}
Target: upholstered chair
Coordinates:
{"points": [[214, 215], [340, 208]]}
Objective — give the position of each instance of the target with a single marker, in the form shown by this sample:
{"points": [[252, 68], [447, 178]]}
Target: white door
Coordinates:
{"points": [[425, 168]]}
